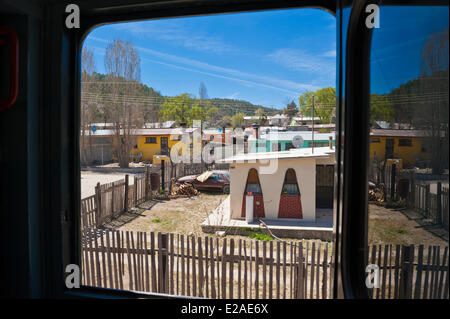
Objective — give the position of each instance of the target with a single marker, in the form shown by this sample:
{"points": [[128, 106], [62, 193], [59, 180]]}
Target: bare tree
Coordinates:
{"points": [[433, 115], [122, 65], [87, 70], [203, 92]]}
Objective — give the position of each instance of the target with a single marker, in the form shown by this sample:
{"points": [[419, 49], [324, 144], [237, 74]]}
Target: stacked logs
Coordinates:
{"points": [[376, 194], [185, 189]]}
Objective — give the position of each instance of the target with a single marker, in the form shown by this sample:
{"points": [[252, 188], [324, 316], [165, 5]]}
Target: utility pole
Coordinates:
{"points": [[313, 124]]}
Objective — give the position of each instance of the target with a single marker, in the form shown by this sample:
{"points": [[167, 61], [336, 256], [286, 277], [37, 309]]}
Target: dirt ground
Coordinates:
{"points": [[181, 215], [403, 227]]}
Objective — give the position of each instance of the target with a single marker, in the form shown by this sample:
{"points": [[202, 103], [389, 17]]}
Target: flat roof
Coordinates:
{"points": [[163, 131], [289, 135], [293, 153]]}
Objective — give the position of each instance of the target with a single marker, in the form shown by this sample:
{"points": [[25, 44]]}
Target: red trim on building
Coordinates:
{"points": [[290, 207], [258, 206]]}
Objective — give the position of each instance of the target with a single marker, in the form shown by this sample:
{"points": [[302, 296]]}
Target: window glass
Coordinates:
{"points": [[290, 186], [408, 209], [149, 221], [150, 140]]}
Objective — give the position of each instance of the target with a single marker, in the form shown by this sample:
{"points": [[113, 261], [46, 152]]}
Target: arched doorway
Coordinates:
{"points": [[290, 198], [253, 187]]}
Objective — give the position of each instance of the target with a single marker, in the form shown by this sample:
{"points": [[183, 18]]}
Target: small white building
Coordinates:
{"points": [[283, 184]]}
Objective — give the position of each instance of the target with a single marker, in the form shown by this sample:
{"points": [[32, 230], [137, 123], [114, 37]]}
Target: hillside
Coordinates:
{"points": [[95, 93]]}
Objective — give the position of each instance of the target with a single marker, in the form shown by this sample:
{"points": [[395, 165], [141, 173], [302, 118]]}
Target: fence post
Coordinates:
{"points": [[412, 187], [439, 204], [147, 181], [98, 211], [427, 201], [406, 272], [162, 251], [135, 190], [393, 169], [125, 204], [162, 175]]}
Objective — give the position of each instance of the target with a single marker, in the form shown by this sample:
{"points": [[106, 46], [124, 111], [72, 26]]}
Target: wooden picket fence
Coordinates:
{"points": [[206, 267], [410, 272], [113, 199], [250, 269]]}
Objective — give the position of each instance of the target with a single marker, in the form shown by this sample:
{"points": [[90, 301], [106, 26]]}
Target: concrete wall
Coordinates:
{"points": [[271, 184]]}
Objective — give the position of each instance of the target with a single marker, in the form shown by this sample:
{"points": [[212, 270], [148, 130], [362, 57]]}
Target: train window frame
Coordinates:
{"points": [[71, 41], [57, 225]]}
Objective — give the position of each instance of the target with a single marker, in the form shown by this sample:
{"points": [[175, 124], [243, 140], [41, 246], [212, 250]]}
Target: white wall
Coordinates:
{"points": [[305, 170]]}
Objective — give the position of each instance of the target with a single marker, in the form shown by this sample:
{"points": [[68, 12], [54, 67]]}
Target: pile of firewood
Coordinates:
{"points": [[376, 194], [185, 189]]}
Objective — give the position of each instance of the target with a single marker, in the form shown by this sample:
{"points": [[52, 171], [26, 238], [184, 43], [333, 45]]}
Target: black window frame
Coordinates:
{"points": [[148, 140], [405, 142], [50, 229]]}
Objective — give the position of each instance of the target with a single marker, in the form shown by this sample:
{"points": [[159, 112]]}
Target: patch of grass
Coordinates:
{"points": [[260, 236], [256, 233], [156, 220]]}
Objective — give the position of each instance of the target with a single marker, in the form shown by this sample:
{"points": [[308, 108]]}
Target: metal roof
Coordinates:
{"points": [[399, 133]]}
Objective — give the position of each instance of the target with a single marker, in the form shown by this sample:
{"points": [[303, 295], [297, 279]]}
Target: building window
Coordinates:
{"points": [[374, 140], [290, 185], [405, 142], [150, 140], [253, 184]]}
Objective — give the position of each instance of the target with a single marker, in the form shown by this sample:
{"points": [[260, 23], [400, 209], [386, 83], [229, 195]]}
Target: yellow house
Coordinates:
{"points": [[159, 141], [408, 145]]}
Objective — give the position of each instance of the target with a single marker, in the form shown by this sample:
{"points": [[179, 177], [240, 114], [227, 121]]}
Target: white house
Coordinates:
{"points": [[283, 184]]}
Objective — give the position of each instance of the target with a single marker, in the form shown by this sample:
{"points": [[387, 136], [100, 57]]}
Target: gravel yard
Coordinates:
{"points": [[89, 180]]}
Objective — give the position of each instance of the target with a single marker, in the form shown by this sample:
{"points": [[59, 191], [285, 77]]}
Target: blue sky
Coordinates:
{"points": [[262, 57], [397, 44]]}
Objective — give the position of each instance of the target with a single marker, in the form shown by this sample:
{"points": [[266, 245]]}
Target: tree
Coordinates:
{"points": [[324, 104], [122, 64], [262, 116], [185, 109], [291, 110], [87, 105], [202, 92], [433, 113], [237, 120], [380, 109], [225, 121]]}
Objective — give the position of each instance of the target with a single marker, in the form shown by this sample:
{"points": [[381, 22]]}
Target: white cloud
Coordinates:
{"points": [[302, 61], [245, 78], [178, 34]]}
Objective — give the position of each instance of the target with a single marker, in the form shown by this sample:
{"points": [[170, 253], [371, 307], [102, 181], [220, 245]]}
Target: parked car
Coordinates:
{"points": [[209, 180]]}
